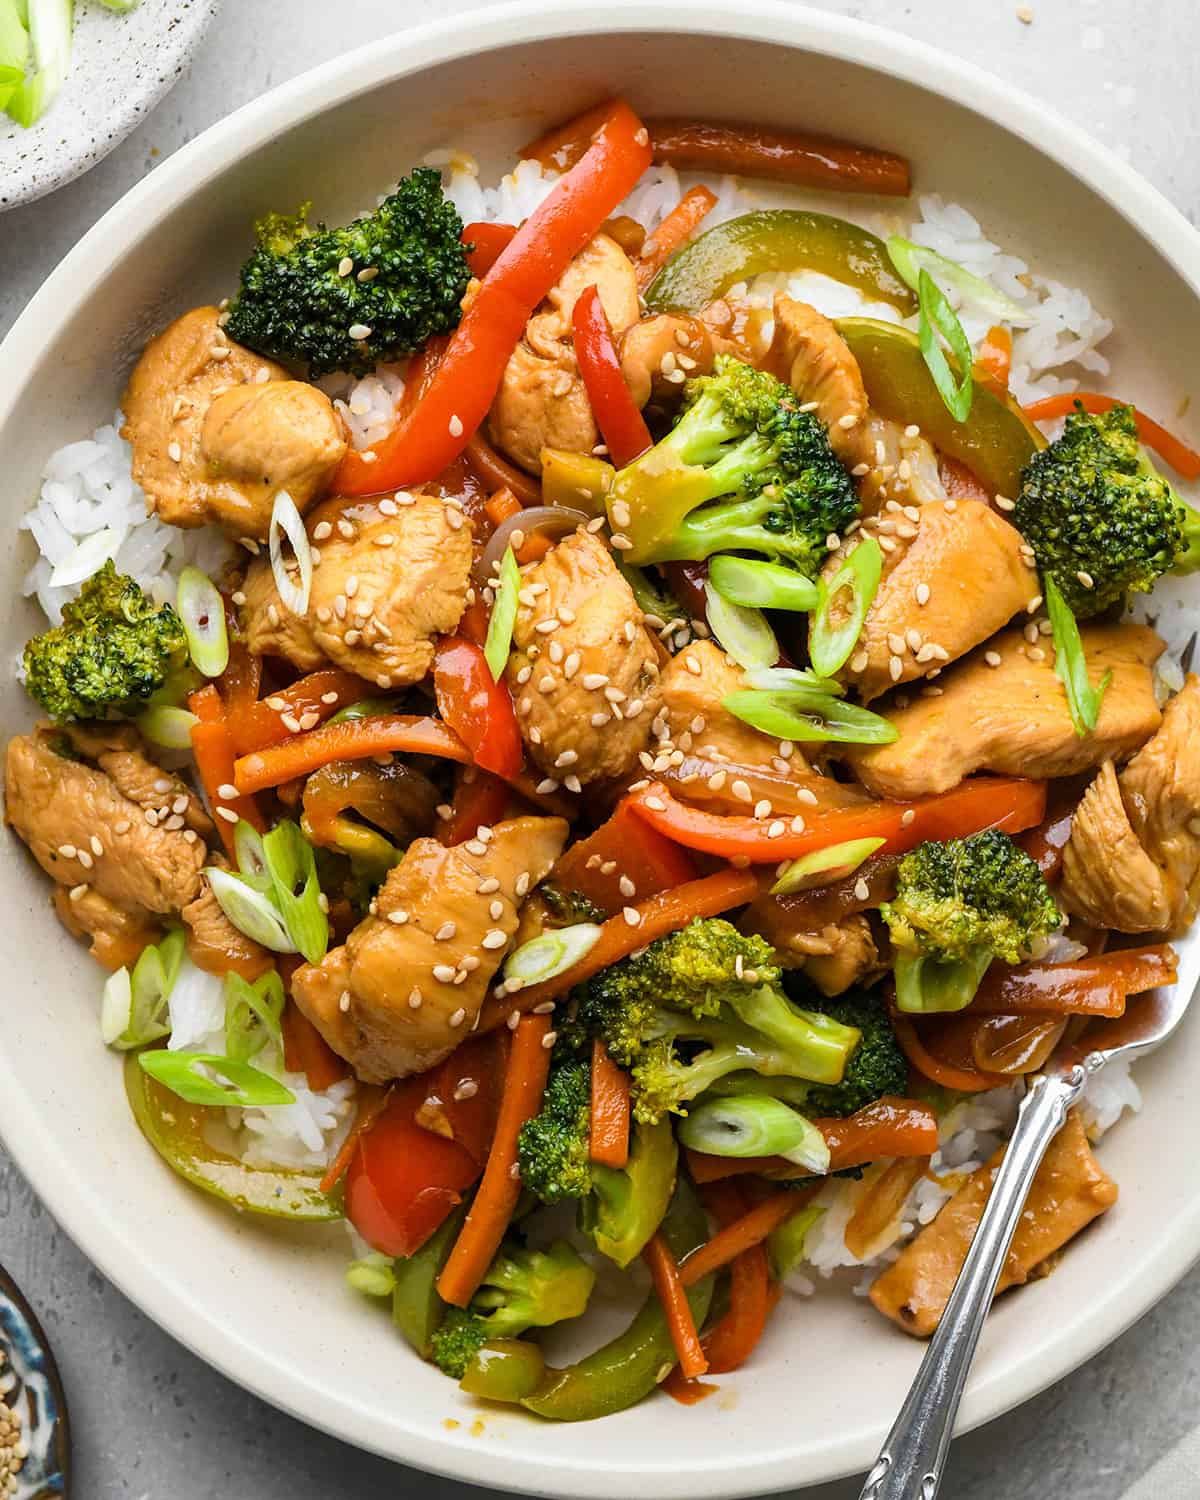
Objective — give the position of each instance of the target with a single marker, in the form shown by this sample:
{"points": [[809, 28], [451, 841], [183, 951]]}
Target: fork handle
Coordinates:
{"points": [[913, 1457]]}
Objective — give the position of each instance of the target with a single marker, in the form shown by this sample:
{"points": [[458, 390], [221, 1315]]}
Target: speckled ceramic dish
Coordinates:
{"points": [[121, 66], [30, 1386], [267, 1305]]}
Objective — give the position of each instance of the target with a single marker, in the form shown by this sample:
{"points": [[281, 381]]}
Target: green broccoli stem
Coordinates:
{"points": [[735, 526], [819, 1044], [926, 985], [1187, 560]]}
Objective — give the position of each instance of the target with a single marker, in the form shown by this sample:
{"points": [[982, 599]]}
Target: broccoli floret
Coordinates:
{"points": [[569, 907], [307, 293], [1092, 506], [741, 440], [959, 905], [114, 649], [553, 1147], [699, 1004], [523, 1289]]}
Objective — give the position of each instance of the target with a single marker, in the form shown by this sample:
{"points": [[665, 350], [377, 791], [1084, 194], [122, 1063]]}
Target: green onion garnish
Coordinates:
{"points": [[250, 911], [14, 48], [50, 24], [744, 634], [809, 717], [1083, 699], [831, 641], [823, 866], [550, 954], [910, 259], [133, 1010], [754, 1125], [504, 616], [189, 1074], [169, 727], [251, 857], [297, 891], [252, 1013], [372, 1275], [202, 611], [792, 679], [761, 585], [937, 316]]}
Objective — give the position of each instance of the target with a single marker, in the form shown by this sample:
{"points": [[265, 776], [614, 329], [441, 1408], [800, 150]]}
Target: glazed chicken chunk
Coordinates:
{"points": [[542, 401], [584, 671], [409, 982], [953, 575], [217, 431], [121, 829], [658, 354], [1003, 709], [269, 627], [1133, 859]]}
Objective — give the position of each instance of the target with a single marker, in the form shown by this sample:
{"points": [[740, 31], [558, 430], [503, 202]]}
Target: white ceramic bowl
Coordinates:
{"points": [[267, 1306]]}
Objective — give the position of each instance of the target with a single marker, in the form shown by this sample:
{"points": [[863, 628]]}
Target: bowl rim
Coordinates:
{"points": [[46, 1161]]}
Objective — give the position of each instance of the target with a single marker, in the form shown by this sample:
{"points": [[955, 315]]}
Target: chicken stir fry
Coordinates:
{"points": [[672, 748]]}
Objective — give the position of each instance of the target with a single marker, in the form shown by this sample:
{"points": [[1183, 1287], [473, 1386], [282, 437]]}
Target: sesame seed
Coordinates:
{"points": [[907, 817], [926, 653], [914, 639], [174, 452], [848, 421], [656, 804], [458, 1017], [858, 662], [1035, 653], [360, 331], [571, 665], [345, 266], [344, 1001], [123, 826], [993, 658], [896, 644], [922, 593], [322, 531], [97, 846], [524, 879], [495, 938], [566, 758], [555, 652], [621, 513], [77, 892], [546, 786], [443, 973], [397, 918], [632, 916], [544, 627], [895, 668], [860, 470], [1004, 503], [887, 543], [741, 791], [717, 780], [762, 809], [475, 846], [862, 891], [693, 666], [775, 830], [67, 851], [455, 425], [496, 910], [227, 813], [620, 541], [1086, 579], [445, 932]]}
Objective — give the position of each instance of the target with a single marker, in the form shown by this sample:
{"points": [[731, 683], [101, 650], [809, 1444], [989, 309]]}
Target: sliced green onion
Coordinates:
{"points": [[744, 634], [809, 717], [251, 857], [287, 521], [1070, 663], [910, 259], [823, 866], [188, 1075], [250, 911], [787, 1241], [754, 1125], [830, 641], [555, 950], [789, 679], [14, 47], [293, 869], [202, 611], [51, 23], [504, 616], [926, 985], [937, 316], [133, 1009], [761, 585], [169, 727], [372, 1275], [122, 7], [252, 1013]]}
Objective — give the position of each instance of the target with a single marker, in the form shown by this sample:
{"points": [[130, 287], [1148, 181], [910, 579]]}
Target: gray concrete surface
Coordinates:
{"points": [[153, 1423]]}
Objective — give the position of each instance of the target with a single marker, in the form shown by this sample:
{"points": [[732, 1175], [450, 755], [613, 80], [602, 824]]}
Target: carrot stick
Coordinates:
{"points": [[751, 1229], [669, 1284], [321, 693], [212, 749], [371, 1100], [619, 936], [994, 360], [502, 507], [356, 739], [1172, 450], [609, 1138], [479, 1239], [678, 225]]}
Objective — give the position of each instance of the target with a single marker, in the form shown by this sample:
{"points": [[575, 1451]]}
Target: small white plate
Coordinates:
{"points": [[121, 66]]}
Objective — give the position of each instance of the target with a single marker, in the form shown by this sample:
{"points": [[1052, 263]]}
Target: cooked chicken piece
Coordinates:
{"points": [[542, 402], [84, 832], [1070, 1190], [953, 576], [117, 936], [1133, 859], [217, 431], [587, 687], [1009, 714], [692, 702], [840, 955], [215, 944], [120, 752], [269, 627], [407, 985], [809, 354], [659, 353]]}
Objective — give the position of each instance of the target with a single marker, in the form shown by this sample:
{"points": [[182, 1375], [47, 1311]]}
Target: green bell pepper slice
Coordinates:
{"points": [[627, 1204], [777, 239], [995, 442], [175, 1129], [623, 1371], [505, 1370], [417, 1310]]}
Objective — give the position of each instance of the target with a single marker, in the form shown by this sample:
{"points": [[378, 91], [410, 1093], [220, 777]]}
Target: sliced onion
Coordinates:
{"points": [[169, 727], [88, 558], [287, 521], [743, 634], [545, 956], [202, 611], [250, 911], [546, 520]]}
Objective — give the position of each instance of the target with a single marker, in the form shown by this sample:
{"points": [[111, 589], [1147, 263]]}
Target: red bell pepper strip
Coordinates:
{"points": [[477, 803], [620, 421], [1003, 802], [462, 1094], [489, 241], [438, 428], [1097, 986], [1170, 449], [212, 749], [477, 707], [624, 848]]}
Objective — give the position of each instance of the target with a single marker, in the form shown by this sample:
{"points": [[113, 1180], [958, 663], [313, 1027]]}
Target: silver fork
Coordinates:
{"points": [[913, 1457]]}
